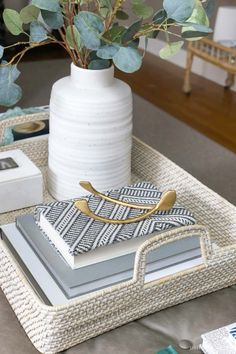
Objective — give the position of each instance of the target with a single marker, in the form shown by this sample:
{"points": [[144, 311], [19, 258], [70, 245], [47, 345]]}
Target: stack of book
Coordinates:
{"points": [[65, 254]]}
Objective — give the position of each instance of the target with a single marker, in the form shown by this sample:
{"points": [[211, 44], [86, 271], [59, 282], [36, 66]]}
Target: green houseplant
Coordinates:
{"points": [[93, 33], [91, 112]]}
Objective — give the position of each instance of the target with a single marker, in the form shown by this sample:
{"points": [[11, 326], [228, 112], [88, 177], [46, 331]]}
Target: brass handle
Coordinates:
{"points": [[88, 187], [166, 203]]}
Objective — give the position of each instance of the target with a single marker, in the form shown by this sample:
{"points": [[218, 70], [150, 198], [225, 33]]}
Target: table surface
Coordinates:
{"points": [[214, 166]]}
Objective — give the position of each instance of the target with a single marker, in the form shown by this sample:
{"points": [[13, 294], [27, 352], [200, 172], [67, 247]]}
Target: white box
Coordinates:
{"points": [[21, 185]]}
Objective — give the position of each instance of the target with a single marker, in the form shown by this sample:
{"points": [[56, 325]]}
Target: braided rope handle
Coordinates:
{"points": [[168, 237], [10, 122]]}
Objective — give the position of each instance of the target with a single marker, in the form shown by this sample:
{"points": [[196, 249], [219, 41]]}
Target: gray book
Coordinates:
{"points": [[47, 288], [112, 271], [43, 283]]}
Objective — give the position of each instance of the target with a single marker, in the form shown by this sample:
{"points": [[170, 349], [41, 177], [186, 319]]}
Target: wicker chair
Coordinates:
{"points": [[214, 53]]}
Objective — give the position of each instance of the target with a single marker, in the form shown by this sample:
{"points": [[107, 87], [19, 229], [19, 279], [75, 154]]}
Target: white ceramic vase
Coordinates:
{"points": [[90, 132]]}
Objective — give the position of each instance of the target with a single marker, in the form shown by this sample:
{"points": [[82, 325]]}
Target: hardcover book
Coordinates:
{"points": [[76, 235], [72, 282], [45, 285]]}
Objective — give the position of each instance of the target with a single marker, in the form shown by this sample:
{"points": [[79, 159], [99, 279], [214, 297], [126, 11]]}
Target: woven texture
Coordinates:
{"points": [[53, 329]]}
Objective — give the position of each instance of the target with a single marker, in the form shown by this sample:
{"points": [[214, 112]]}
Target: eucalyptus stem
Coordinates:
{"points": [[70, 18], [16, 44], [69, 51], [33, 45], [118, 6], [150, 30]]}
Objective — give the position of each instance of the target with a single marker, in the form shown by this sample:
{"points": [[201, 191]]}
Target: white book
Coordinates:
{"points": [[83, 241], [220, 341], [97, 255]]}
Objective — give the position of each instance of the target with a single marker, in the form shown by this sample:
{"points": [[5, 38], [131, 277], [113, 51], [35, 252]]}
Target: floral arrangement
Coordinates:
{"points": [[94, 34]]}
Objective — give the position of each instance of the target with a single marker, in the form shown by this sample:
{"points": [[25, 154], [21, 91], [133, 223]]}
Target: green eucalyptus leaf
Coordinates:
{"points": [[1, 51], [99, 64], [104, 12], [90, 26], [10, 93], [196, 20], [106, 3], [199, 15], [159, 17], [179, 10], [209, 6], [135, 43], [193, 35], [37, 32], [197, 27], [93, 55], [131, 31], [107, 51], [202, 28], [14, 73], [54, 20], [49, 5], [8, 72], [115, 34], [122, 15], [153, 34], [141, 10], [29, 13], [5, 73], [73, 37], [128, 59], [171, 49], [105, 7], [13, 21]]}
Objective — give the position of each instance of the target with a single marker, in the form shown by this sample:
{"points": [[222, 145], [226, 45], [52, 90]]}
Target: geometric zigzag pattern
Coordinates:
{"points": [[82, 234]]}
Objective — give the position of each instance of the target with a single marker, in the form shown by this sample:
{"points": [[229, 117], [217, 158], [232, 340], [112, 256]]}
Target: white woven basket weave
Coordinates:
{"points": [[55, 328]]}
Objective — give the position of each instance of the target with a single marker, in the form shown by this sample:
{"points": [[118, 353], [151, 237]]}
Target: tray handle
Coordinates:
{"points": [[169, 237], [10, 122]]}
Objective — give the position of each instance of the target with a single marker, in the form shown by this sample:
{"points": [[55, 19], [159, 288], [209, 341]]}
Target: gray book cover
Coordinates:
{"points": [[85, 279], [45, 286]]}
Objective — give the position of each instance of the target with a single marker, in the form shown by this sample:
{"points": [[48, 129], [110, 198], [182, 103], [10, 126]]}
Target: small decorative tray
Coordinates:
{"points": [[55, 328]]}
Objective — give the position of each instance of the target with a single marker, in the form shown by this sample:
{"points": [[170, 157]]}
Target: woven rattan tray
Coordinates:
{"points": [[55, 328]]}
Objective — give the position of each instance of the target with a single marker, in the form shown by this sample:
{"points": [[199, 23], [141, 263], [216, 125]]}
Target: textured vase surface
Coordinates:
{"points": [[90, 132]]}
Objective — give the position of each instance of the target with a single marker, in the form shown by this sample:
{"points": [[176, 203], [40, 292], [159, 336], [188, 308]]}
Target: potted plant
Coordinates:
{"points": [[91, 111]]}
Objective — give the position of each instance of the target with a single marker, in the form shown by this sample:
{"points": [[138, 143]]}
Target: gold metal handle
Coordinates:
{"points": [[88, 187], [166, 203]]}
